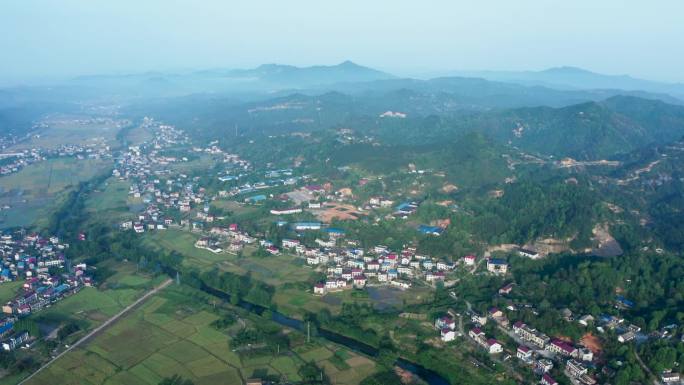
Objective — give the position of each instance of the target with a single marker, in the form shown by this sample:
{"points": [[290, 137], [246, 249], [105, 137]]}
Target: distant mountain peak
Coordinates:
{"points": [[567, 70]]}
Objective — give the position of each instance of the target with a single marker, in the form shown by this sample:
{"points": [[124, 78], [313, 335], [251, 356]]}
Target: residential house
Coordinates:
{"points": [[524, 353], [531, 335], [547, 380], [445, 322], [494, 346], [447, 335], [506, 289], [319, 288], [15, 341], [561, 347], [529, 253], [469, 260], [543, 365], [497, 266], [669, 377]]}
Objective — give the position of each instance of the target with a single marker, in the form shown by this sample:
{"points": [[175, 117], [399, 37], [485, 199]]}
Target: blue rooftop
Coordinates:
{"points": [[6, 327], [425, 229], [334, 230], [624, 301], [257, 198]]}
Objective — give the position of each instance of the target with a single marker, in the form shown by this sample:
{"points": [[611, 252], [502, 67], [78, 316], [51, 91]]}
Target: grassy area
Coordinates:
{"points": [[92, 306], [113, 196], [184, 242], [287, 273], [172, 334], [138, 135], [274, 270], [88, 308], [111, 203], [35, 190], [65, 131], [8, 290], [203, 162]]}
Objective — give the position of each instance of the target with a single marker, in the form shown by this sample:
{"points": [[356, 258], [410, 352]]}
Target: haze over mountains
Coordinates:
{"points": [[577, 78], [558, 112]]}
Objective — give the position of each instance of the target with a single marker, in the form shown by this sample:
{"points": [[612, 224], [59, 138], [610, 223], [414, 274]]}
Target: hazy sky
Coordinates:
{"points": [[71, 37]]}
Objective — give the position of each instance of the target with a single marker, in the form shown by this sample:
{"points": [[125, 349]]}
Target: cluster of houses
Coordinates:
{"points": [[10, 338], [273, 178], [172, 194], [12, 162], [36, 259], [538, 350], [232, 236], [151, 180], [354, 267], [26, 255], [535, 348], [46, 274], [490, 344]]}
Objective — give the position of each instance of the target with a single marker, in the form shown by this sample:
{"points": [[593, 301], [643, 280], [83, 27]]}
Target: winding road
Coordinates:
{"points": [[100, 328]]}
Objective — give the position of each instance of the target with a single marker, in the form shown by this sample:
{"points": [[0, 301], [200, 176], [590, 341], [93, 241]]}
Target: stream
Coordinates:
{"points": [[429, 376]]}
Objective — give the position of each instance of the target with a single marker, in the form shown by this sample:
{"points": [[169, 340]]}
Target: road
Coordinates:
{"points": [[100, 328], [646, 368]]}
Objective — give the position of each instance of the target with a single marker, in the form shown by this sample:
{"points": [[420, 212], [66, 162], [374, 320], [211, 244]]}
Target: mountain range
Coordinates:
{"points": [[558, 112], [573, 78]]}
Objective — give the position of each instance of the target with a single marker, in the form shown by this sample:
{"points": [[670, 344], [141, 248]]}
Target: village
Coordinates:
{"points": [[46, 275], [345, 264], [540, 352]]}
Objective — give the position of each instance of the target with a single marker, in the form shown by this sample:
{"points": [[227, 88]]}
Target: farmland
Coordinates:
{"points": [[70, 130], [274, 270], [91, 306], [111, 202], [290, 276], [33, 191], [173, 334], [82, 311]]}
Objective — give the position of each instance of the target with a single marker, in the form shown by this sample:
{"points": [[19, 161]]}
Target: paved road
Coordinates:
{"points": [[101, 327]]}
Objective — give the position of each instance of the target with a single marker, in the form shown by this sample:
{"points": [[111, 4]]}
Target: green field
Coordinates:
{"points": [[87, 308], [276, 271], [8, 290], [184, 242], [171, 334], [64, 130], [36, 189], [110, 204], [91, 306], [138, 135]]}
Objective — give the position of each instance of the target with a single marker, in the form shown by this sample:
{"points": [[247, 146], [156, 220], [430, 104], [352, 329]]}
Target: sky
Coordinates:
{"points": [[46, 39]]}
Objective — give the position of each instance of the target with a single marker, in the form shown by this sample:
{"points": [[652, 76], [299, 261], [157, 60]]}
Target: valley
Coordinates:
{"points": [[376, 230]]}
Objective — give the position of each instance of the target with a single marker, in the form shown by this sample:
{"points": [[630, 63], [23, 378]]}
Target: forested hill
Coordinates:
{"points": [[586, 131], [593, 130]]}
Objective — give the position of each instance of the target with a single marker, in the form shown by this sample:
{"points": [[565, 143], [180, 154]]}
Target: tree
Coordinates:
{"points": [[382, 378], [312, 374]]}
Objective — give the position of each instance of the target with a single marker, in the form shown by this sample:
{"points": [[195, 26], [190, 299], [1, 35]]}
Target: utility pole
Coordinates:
{"points": [[177, 278], [308, 332]]}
